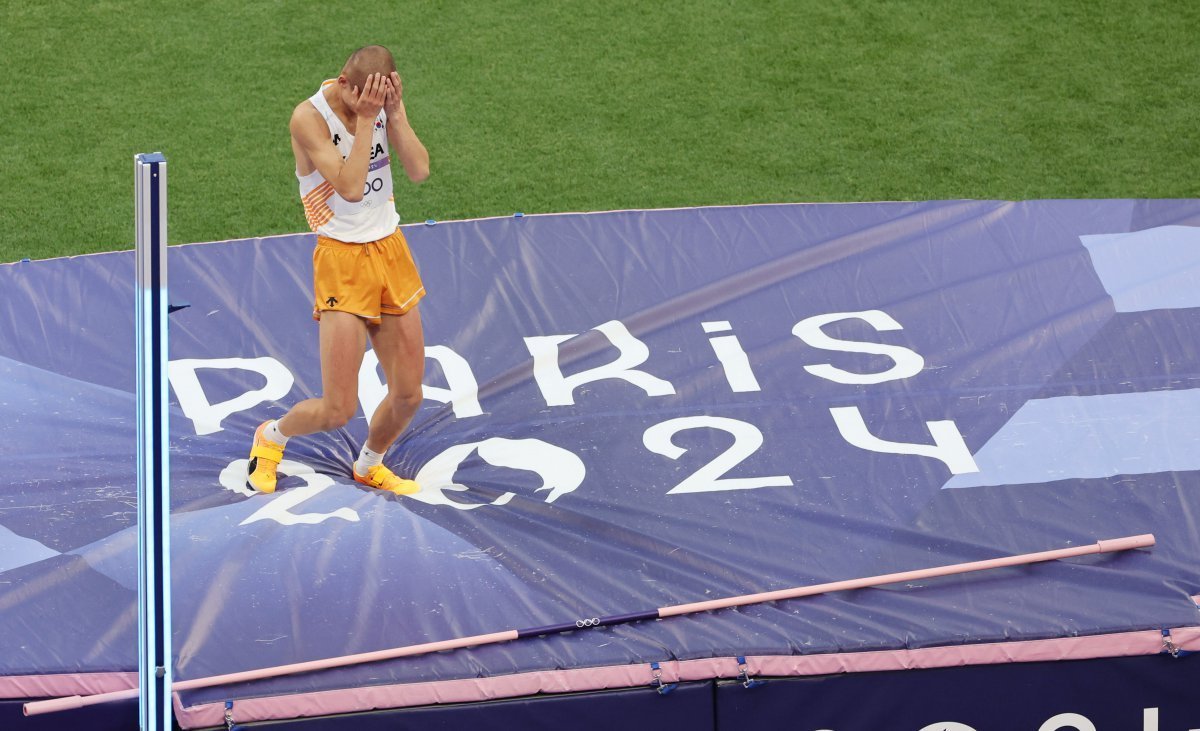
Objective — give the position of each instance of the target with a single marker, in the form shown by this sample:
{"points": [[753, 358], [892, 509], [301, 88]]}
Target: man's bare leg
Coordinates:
{"points": [[400, 344], [343, 343]]}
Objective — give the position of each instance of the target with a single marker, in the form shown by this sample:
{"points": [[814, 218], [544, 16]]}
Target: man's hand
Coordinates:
{"points": [[393, 103], [370, 100], [400, 133]]}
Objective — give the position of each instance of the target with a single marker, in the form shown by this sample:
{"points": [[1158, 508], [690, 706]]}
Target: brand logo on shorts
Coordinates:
{"points": [[331, 301]]}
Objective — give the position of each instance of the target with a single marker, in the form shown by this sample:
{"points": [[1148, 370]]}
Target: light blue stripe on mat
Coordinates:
{"points": [[1155, 269], [17, 551], [1080, 437]]}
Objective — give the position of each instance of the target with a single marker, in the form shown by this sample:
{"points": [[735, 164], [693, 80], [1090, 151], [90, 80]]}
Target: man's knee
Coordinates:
{"points": [[406, 400], [336, 414]]}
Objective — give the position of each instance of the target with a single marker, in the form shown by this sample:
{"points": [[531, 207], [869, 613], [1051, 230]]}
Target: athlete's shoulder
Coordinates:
{"points": [[306, 110], [306, 119]]}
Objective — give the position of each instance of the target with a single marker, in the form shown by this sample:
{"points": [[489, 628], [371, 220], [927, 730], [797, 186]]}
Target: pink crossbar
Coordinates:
{"points": [[379, 697]]}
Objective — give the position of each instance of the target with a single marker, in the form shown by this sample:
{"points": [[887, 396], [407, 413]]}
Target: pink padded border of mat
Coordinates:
{"points": [[350, 700], [52, 686]]}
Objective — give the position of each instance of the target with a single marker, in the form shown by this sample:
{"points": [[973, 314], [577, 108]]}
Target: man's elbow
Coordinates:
{"points": [[419, 174], [353, 195]]}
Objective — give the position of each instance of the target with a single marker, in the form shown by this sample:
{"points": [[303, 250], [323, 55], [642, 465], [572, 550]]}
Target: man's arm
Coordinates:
{"points": [[349, 176], [413, 155]]}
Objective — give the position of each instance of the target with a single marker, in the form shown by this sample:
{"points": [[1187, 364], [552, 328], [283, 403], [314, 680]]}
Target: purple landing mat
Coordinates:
{"points": [[625, 411]]}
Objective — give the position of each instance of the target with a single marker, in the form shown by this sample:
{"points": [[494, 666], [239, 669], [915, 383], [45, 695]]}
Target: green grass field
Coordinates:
{"points": [[548, 105]]}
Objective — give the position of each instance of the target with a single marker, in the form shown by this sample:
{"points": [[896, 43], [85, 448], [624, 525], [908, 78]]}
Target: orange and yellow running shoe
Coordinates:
{"points": [[265, 457], [382, 478]]}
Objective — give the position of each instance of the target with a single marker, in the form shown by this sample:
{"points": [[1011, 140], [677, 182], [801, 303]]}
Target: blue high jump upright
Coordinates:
{"points": [[153, 484]]}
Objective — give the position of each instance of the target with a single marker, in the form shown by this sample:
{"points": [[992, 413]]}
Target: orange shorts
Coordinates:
{"points": [[368, 280]]}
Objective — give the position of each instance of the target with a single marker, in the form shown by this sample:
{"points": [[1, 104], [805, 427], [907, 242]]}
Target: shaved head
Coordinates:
{"points": [[366, 61]]}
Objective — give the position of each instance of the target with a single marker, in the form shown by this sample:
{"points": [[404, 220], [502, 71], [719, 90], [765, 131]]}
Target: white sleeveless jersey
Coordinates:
{"points": [[329, 214]]}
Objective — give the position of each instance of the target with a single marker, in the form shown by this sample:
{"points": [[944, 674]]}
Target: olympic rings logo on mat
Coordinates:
{"points": [[593, 622]]}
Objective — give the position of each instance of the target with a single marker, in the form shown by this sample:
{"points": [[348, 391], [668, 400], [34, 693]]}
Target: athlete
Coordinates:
{"points": [[364, 279]]}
